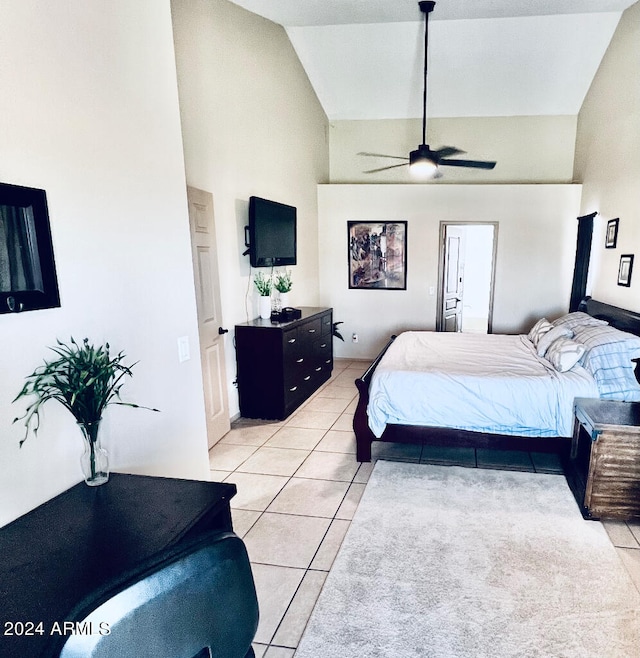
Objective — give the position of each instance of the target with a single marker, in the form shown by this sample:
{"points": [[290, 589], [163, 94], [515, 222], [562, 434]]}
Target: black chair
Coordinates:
{"points": [[202, 604]]}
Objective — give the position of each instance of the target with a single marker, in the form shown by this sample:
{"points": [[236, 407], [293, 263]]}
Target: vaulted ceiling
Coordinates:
{"points": [[364, 58]]}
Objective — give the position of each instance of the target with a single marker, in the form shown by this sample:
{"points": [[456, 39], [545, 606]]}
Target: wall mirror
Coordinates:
{"points": [[28, 278]]}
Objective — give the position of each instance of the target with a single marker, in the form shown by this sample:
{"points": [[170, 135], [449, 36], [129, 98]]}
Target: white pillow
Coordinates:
{"points": [[564, 353], [538, 330], [552, 335]]}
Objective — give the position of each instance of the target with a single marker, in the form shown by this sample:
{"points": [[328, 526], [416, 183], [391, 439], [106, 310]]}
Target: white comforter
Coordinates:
{"points": [[493, 383]]}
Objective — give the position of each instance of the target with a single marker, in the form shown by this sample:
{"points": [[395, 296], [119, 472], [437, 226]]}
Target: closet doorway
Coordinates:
{"points": [[466, 276]]}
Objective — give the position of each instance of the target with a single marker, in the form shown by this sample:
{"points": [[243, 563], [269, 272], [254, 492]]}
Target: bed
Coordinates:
{"points": [[513, 392]]}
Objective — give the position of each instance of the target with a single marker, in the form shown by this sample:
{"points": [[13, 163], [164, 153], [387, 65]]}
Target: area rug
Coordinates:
{"points": [[444, 562]]}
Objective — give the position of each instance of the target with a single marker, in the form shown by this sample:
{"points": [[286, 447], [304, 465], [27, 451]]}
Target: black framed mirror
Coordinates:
{"points": [[28, 278]]}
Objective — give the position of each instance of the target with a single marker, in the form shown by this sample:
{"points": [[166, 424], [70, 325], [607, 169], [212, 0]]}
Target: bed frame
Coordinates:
{"points": [[439, 436]]}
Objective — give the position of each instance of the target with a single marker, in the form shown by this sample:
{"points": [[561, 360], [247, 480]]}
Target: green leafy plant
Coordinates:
{"points": [[84, 379], [336, 332], [283, 281], [263, 283]]}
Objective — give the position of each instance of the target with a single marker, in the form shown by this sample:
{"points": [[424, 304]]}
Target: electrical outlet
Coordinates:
{"points": [[354, 338]]}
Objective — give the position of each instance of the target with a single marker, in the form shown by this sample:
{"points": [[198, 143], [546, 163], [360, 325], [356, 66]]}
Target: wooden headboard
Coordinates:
{"points": [[617, 317]]}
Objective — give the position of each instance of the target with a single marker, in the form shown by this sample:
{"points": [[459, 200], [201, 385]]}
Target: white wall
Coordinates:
{"points": [[608, 161], [252, 125], [527, 149], [90, 113], [534, 269]]}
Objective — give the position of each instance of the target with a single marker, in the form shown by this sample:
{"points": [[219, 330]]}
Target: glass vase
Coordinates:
{"points": [[95, 459]]}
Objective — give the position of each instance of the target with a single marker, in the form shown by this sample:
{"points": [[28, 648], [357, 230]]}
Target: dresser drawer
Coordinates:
{"points": [[290, 341], [327, 324], [309, 331], [296, 366], [322, 356]]}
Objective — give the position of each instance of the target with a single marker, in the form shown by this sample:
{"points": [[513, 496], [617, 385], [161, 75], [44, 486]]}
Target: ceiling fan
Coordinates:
{"points": [[423, 162]]}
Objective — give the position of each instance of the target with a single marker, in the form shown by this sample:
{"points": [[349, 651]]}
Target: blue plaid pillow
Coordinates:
{"points": [[608, 357]]}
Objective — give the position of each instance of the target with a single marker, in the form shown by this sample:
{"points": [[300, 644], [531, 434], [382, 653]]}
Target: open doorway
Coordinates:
{"points": [[466, 276]]}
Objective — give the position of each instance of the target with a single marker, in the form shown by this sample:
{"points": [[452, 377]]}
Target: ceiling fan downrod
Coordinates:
{"points": [[426, 7], [422, 162]]}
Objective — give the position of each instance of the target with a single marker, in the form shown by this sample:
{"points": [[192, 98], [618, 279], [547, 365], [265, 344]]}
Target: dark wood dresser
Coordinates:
{"points": [[280, 364]]}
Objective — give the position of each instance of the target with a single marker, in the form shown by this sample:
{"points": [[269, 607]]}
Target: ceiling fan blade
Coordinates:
{"points": [[382, 155], [446, 151], [474, 164], [373, 171]]}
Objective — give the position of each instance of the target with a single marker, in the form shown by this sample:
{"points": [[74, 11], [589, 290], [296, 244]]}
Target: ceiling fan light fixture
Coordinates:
{"points": [[421, 163]]}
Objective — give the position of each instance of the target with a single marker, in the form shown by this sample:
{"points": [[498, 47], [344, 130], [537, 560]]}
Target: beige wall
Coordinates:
{"points": [[608, 160], [536, 248], [90, 113], [526, 149], [252, 125]]}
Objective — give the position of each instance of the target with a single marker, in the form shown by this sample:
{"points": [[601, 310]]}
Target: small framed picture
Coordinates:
{"points": [[612, 233], [377, 255], [625, 269]]}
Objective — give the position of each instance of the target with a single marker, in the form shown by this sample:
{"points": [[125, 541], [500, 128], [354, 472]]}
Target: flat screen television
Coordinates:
{"points": [[27, 269], [271, 239]]}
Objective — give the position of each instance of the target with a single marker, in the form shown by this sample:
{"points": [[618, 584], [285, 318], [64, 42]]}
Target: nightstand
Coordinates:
{"points": [[604, 467]]}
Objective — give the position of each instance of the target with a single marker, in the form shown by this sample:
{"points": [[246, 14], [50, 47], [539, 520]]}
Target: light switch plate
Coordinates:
{"points": [[183, 349]]}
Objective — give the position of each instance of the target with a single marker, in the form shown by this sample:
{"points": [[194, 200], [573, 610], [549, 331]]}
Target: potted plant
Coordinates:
{"points": [[264, 285], [283, 284], [85, 380]]}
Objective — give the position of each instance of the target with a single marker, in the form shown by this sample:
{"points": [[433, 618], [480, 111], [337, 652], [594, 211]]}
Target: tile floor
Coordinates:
{"points": [[299, 485]]}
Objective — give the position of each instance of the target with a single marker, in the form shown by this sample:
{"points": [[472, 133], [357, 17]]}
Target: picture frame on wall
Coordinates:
{"points": [[377, 255], [625, 269], [611, 239]]}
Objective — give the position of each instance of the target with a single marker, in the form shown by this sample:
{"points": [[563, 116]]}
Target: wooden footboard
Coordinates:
{"points": [[364, 436]]}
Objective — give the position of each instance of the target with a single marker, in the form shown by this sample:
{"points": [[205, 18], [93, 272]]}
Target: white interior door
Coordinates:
{"points": [[453, 283], [466, 276], [210, 326]]}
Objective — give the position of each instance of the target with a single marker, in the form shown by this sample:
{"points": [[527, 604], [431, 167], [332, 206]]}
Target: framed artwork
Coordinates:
{"points": [[612, 233], [377, 255], [625, 269]]}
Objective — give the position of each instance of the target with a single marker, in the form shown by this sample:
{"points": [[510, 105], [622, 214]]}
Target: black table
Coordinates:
{"points": [[61, 560]]}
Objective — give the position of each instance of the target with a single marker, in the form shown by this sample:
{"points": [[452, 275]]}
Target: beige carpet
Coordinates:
{"points": [[471, 563]]}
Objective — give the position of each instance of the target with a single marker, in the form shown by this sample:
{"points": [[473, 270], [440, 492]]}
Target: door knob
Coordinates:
{"points": [[222, 331]]}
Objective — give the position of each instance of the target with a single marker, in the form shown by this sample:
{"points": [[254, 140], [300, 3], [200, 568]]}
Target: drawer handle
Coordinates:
{"points": [[312, 331], [323, 345], [328, 361], [299, 360], [307, 378], [295, 388], [292, 340], [319, 369]]}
